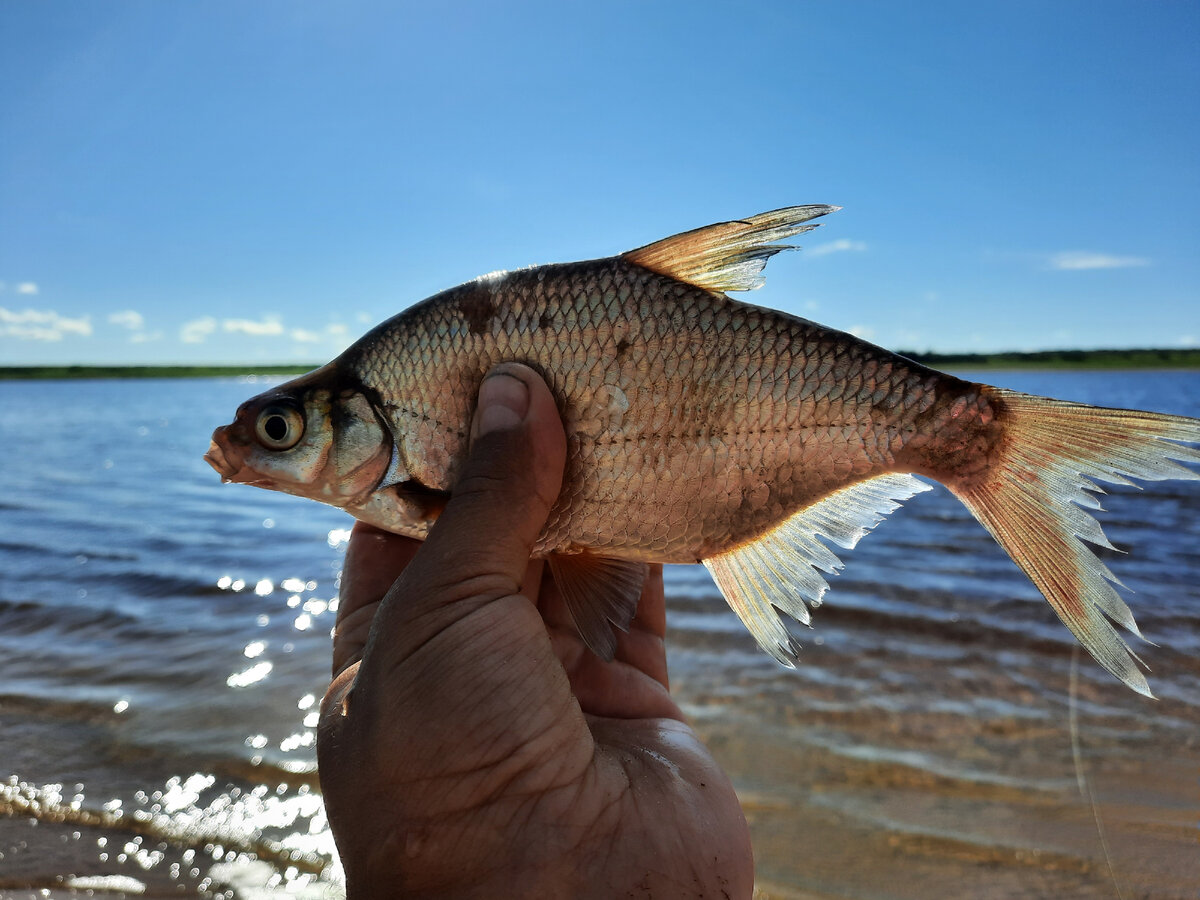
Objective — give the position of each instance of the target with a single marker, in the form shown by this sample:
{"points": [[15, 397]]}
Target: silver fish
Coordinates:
{"points": [[702, 429]]}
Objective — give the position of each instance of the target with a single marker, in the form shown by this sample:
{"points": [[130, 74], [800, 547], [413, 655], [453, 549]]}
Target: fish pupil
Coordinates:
{"points": [[276, 428]]}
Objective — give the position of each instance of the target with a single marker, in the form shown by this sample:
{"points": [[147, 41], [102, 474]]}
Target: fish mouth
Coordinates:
{"points": [[216, 458], [224, 456]]}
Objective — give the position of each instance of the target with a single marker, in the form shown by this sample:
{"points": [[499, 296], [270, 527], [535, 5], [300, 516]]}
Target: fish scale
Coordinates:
{"points": [[701, 429]]}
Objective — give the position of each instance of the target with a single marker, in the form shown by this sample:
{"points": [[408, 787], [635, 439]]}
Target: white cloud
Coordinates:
{"points": [[197, 330], [908, 338], [41, 325], [305, 336], [268, 327], [839, 246], [339, 335], [862, 331], [27, 287], [144, 337], [1077, 260], [128, 318]]}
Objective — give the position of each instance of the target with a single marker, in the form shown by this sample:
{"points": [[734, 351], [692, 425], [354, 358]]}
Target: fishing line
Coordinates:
{"points": [[1085, 790]]}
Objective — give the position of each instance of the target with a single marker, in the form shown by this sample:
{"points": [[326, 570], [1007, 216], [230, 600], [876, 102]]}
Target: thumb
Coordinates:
{"points": [[479, 549], [512, 476]]}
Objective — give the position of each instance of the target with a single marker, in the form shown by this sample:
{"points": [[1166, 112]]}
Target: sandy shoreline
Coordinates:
{"points": [[856, 807], [827, 822]]}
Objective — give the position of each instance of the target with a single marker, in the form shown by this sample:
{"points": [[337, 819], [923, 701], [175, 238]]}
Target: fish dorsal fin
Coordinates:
{"points": [[783, 567], [600, 593], [728, 256]]}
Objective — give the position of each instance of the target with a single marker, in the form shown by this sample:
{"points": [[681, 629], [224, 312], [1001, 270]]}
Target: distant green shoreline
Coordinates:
{"points": [[1141, 358], [17, 373], [1043, 359]]}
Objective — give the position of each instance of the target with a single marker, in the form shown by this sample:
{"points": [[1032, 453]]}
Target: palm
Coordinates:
{"points": [[500, 761]]}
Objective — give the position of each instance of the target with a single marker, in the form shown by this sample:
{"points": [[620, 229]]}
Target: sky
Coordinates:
{"points": [[234, 182]]}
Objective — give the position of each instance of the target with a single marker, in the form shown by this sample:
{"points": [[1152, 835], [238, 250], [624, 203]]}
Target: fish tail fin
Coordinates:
{"points": [[1033, 497]]}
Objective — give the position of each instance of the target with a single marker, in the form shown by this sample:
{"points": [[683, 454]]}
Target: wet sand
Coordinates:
{"points": [[862, 801]]}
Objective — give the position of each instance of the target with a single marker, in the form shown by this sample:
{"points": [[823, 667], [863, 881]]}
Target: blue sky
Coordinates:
{"points": [[261, 182]]}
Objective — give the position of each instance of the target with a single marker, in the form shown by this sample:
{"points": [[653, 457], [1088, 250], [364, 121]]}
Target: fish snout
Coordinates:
{"points": [[223, 454]]}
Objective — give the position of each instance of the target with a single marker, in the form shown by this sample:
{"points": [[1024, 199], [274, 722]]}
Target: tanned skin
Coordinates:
{"points": [[470, 745]]}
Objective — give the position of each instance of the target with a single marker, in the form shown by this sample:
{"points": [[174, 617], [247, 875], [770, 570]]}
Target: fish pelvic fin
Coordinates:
{"points": [[601, 594], [782, 568], [727, 256], [1033, 495]]}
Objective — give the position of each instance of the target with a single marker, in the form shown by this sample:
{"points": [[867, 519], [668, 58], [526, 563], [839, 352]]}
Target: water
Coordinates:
{"points": [[164, 641]]}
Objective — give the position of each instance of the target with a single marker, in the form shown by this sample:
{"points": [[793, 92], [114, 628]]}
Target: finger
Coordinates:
{"points": [[644, 645], [536, 574], [512, 477], [641, 649], [333, 704], [374, 560], [479, 549], [651, 615]]}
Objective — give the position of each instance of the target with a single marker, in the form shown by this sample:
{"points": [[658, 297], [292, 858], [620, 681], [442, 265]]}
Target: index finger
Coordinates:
{"points": [[374, 560]]}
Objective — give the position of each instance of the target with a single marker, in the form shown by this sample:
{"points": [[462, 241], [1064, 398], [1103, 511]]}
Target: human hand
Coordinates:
{"points": [[470, 745]]}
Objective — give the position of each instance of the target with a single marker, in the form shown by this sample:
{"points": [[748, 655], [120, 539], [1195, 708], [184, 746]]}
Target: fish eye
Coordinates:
{"points": [[279, 427]]}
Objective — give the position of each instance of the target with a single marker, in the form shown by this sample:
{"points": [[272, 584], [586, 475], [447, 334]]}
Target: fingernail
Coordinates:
{"points": [[503, 403]]}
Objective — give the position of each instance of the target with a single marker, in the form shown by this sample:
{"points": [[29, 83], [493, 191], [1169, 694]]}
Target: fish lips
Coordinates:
{"points": [[225, 457], [215, 457]]}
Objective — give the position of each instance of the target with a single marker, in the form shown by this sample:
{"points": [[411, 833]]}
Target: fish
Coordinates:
{"points": [[701, 429]]}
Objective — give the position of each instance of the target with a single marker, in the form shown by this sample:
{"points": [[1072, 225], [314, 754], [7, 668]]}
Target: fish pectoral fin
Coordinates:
{"points": [[782, 568], [728, 256], [601, 593]]}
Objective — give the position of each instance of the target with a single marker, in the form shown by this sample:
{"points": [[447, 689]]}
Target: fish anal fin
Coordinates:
{"points": [[782, 568], [600, 593], [727, 256]]}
